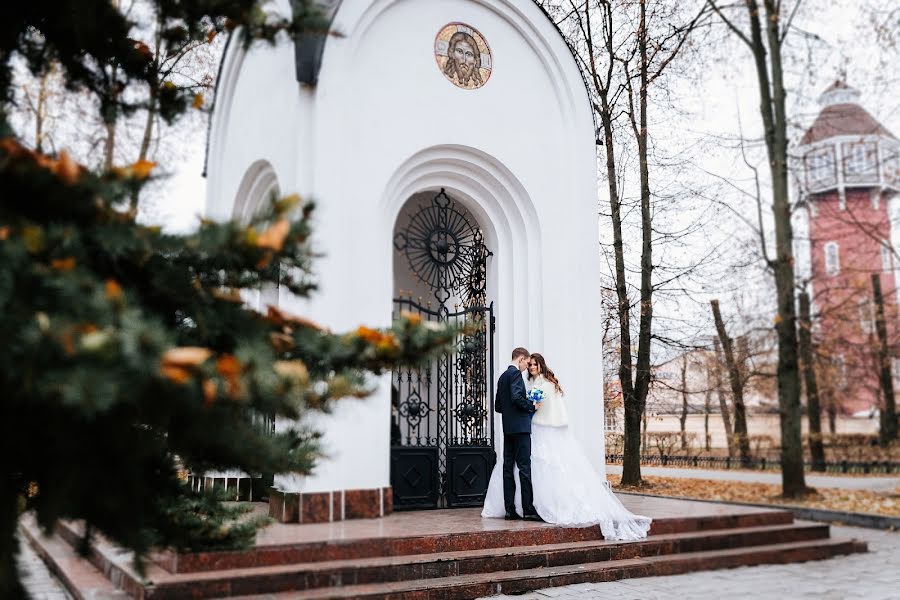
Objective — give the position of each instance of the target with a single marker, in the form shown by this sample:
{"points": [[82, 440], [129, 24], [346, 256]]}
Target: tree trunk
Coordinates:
{"points": [[39, 112], [631, 474], [634, 411], [146, 138], [813, 409], [888, 413], [684, 402], [832, 415], [110, 113], [772, 111], [644, 424], [737, 388], [793, 481], [707, 408], [723, 402], [109, 146]]}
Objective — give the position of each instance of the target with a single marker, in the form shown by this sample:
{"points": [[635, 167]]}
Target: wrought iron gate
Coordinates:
{"points": [[442, 426]]}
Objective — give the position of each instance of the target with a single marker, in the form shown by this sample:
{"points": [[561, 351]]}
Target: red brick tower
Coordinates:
{"points": [[849, 177]]}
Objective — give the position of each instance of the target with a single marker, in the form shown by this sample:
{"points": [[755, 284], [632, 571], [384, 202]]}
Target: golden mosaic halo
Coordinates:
{"points": [[466, 69]]}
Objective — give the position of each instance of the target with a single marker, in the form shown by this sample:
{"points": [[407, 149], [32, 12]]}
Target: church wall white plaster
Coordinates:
{"points": [[384, 124]]}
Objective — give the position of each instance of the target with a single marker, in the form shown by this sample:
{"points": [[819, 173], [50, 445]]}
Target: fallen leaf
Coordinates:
{"points": [[228, 295], [209, 392], [63, 264], [273, 237], [113, 289], [66, 169], [280, 317], [142, 168], [281, 342], [292, 369], [175, 374], [185, 356], [857, 501]]}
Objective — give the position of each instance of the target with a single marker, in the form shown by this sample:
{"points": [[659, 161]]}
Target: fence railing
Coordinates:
{"points": [[759, 464]]}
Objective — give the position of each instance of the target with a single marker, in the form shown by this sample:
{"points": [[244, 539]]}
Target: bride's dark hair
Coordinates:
{"points": [[544, 370]]}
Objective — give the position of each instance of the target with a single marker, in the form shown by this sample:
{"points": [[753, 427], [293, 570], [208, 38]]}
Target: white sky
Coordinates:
{"points": [[727, 90], [713, 99]]}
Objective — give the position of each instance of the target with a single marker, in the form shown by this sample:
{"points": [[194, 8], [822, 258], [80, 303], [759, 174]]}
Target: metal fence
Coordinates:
{"points": [[759, 464]]}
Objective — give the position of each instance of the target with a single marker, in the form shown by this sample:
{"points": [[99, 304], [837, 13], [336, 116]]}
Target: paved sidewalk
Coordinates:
{"points": [[877, 484], [38, 580], [873, 576]]}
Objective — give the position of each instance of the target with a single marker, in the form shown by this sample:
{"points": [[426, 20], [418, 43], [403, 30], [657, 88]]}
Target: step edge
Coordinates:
{"points": [[53, 550], [416, 559], [698, 524], [834, 547]]}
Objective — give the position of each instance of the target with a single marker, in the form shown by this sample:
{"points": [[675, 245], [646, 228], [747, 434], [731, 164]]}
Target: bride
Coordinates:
{"points": [[567, 490]]}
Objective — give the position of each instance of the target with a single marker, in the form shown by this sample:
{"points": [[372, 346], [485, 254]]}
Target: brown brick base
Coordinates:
{"points": [[322, 507]]}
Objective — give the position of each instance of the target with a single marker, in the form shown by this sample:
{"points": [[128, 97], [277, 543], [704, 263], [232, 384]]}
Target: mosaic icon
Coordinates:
{"points": [[463, 55]]}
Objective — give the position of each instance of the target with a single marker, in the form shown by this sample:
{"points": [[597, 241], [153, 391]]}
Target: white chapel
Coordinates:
{"points": [[449, 146]]}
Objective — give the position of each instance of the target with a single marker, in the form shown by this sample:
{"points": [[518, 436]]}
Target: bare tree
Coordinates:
{"points": [[715, 366], [888, 420], [737, 385], [813, 409], [684, 400], [768, 27]]}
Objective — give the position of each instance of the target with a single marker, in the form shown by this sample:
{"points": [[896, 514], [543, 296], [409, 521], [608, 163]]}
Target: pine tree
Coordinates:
{"points": [[127, 354]]}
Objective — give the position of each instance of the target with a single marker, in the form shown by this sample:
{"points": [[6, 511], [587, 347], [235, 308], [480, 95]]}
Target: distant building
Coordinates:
{"points": [[848, 181]]}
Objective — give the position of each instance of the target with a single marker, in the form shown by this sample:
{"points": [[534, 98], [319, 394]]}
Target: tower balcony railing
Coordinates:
{"points": [[848, 162]]}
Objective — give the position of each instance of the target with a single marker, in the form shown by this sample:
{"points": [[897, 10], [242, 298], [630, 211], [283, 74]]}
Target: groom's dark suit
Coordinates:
{"points": [[513, 404]]}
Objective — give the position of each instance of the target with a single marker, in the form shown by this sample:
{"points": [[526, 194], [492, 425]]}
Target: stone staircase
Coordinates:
{"points": [[461, 564]]}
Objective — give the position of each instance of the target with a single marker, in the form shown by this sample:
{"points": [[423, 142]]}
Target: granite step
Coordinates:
{"points": [[462, 587], [79, 577], [161, 584], [369, 547]]}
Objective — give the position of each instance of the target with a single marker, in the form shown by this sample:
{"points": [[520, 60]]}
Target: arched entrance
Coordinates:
{"points": [[442, 426]]}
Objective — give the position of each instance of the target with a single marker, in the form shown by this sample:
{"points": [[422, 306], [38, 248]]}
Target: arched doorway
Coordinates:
{"points": [[442, 425]]}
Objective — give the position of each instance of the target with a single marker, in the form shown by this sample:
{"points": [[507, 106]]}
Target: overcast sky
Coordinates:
{"points": [[717, 99]]}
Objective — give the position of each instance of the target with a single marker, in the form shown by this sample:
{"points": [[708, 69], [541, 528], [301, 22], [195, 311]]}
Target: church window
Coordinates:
{"points": [[832, 259]]}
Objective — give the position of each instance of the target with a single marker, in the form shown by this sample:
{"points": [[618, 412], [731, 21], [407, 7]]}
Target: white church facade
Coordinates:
{"points": [[449, 146]]}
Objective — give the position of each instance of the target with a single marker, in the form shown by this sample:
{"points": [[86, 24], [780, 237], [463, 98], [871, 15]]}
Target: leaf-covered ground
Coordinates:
{"points": [[857, 501]]}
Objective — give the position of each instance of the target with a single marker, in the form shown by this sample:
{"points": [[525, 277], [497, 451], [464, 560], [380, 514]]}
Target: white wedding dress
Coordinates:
{"points": [[567, 490]]}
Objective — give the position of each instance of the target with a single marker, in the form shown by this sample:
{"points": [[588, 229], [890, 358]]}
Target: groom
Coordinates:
{"points": [[513, 404]]}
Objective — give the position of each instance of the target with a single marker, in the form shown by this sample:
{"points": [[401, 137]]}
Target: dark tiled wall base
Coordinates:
{"points": [[322, 507]]}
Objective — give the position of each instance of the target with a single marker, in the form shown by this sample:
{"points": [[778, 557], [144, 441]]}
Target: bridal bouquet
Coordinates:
{"points": [[536, 395]]}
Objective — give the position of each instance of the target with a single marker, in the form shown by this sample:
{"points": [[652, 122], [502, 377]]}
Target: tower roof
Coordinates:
{"points": [[842, 115]]}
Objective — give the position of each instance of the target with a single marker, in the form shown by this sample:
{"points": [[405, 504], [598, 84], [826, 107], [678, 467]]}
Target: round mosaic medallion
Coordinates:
{"points": [[463, 55]]}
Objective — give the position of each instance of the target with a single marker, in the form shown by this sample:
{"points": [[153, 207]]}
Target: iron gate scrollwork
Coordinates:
{"points": [[442, 427]]}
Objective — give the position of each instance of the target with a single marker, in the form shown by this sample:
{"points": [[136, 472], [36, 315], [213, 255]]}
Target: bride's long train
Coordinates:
{"points": [[567, 490]]}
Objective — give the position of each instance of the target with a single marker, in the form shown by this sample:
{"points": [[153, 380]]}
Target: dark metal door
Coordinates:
{"points": [[442, 426]]}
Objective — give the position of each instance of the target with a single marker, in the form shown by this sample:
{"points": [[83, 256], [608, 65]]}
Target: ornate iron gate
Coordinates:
{"points": [[442, 426]]}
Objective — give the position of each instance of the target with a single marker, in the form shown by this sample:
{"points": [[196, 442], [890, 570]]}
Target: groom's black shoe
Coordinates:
{"points": [[535, 517], [512, 517]]}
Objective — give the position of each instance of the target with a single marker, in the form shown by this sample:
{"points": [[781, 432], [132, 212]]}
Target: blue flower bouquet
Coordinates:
{"points": [[536, 396]]}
